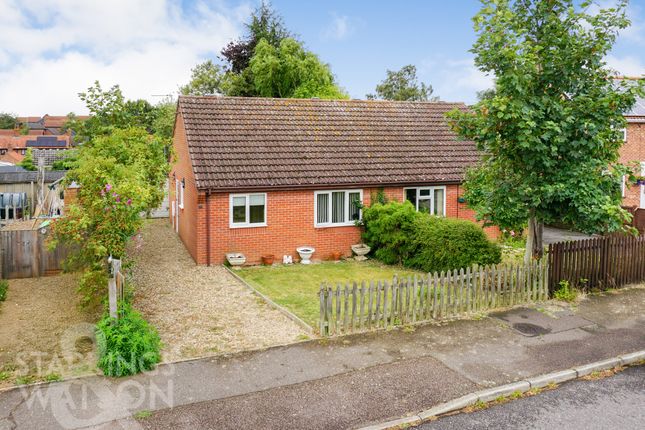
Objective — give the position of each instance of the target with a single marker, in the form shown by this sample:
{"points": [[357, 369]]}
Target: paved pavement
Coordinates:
{"points": [[616, 402], [343, 383]]}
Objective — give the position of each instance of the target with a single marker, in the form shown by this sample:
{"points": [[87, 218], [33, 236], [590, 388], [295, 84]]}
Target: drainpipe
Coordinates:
{"points": [[208, 228]]}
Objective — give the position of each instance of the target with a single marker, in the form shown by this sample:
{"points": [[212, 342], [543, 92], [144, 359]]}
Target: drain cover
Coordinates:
{"points": [[530, 329]]}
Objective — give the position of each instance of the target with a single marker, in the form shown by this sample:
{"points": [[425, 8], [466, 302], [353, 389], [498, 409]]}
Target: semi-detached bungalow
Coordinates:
{"points": [[266, 176]]}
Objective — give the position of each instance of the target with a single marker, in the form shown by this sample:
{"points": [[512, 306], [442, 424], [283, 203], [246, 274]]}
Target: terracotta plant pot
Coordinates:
{"points": [[335, 255], [267, 260]]}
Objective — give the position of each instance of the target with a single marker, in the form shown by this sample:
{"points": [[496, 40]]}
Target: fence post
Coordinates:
{"points": [[113, 294]]}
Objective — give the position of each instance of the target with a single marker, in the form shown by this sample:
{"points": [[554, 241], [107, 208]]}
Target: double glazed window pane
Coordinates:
{"points": [[354, 206], [438, 202], [411, 196], [256, 208], [323, 208], [338, 207], [239, 209], [424, 205]]}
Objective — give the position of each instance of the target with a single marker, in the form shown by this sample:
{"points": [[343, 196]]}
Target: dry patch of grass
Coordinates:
{"points": [[44, 334]]}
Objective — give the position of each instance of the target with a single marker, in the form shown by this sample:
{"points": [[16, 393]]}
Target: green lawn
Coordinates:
{"points": [[296, 286]]}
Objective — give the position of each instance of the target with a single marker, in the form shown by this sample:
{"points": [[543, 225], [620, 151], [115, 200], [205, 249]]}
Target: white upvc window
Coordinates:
{"points": [[248, 210], [624, 130], [337, 208], [427, 199]]}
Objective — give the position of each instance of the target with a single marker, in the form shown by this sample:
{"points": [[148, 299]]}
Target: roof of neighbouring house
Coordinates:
{"points": [[638, 109], [253, 143], [27, 176]]}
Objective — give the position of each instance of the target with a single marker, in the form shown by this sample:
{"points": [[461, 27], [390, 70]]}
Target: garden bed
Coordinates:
{"points": [[296, 287]]}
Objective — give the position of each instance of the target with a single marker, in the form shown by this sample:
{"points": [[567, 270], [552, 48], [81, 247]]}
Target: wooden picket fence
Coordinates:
{"points": [[370, 305], [603, 262]]}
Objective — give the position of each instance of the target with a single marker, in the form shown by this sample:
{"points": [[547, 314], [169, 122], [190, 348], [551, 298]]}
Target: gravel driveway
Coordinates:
{"points": [[199, 310]]}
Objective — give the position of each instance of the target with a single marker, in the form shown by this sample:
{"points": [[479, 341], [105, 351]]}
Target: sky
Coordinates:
{"points": [[50, 50]]}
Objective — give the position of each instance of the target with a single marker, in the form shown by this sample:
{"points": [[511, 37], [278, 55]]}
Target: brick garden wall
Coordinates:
{"points": [[633, 150]]}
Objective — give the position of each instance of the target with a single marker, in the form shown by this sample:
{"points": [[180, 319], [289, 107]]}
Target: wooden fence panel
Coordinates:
{"points": [[606, 262], [345, 309], [25, 254]]}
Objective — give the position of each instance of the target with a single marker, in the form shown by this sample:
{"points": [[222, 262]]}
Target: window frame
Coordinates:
{"points": [[432, 189], [330, 210], [247, 210], [181, 187]]}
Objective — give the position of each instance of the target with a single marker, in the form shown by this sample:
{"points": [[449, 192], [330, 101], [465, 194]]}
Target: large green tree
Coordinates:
{"points": [[551, 130], [291, 71], [402, 85]]}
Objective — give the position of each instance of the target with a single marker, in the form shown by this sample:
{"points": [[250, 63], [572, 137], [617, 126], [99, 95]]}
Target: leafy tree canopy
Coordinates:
{"points": [[27, 162], [551, 129], [205, 79], [7, 120], [291, 71], [109, 111], [402, 85], [265, 24]]}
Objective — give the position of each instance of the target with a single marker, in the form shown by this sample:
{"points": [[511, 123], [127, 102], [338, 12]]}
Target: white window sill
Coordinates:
{"points": [[248, 225], [345, 224]]}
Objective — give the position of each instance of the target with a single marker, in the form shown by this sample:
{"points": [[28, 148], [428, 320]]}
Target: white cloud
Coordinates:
{"points": [[51, 50], [626, 65], [339, 28], [454, 79]]}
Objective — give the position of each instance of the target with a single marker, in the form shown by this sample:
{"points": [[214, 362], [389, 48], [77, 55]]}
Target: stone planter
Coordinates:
{"points": [[235, 258], [361, 250]]}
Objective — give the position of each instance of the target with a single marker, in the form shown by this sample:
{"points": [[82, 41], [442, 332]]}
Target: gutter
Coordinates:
{"points": [[327, 187]]}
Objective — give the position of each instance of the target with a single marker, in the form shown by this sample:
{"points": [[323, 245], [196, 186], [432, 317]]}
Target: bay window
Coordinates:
{"points": [[428, 199], [337, 208]]}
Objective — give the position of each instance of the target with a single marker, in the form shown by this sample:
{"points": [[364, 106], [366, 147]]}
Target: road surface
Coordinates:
{"points": [[617, 402]]}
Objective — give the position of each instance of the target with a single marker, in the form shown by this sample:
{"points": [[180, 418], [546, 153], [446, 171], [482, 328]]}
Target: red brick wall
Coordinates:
{"points": [[633, 150], [182, 169], [290, 223]]}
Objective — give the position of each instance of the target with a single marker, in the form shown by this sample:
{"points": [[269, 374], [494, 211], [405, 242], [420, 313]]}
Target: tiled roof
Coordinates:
{"points": [[238, 143], [638, 109]]}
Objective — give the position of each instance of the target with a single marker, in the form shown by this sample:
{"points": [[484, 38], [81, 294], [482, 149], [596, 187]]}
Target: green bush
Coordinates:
{"points": [[449, 243], [387, 230], [128, 345], [4, 286], [398, 233]]}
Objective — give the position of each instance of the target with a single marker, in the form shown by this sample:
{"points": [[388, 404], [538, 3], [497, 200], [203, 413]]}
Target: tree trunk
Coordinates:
{"points": [[534, 245]]}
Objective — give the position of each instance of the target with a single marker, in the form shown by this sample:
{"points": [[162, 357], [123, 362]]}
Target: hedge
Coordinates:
{"points": [[398, 233]]}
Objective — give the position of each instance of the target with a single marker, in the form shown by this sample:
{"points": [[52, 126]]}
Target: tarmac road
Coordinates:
{"points": [[616, 402]]}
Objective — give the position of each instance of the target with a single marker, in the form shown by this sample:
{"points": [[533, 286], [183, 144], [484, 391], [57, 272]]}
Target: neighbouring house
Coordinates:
{"points": [[633, 152], [47, 125], [14, 148], [23, 189], [265, 176]]}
